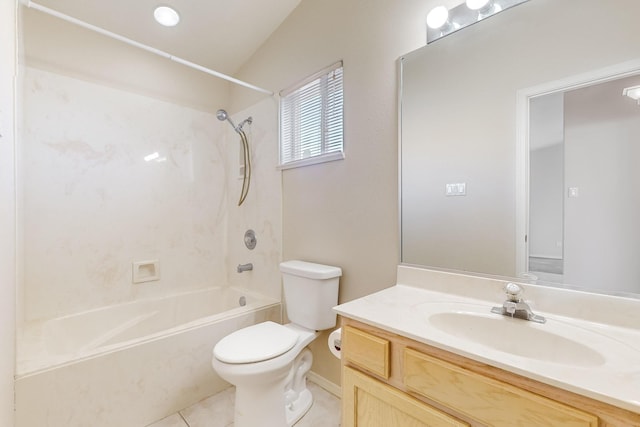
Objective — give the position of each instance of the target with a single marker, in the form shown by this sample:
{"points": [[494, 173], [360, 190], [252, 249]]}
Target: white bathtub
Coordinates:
{"points": [[129, 364]]}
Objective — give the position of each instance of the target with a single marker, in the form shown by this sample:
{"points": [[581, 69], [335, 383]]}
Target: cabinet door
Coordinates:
{"points": [[367, 402]]}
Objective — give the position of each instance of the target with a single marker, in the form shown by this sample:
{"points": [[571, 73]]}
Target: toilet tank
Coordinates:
{"points": [[310, 293]]}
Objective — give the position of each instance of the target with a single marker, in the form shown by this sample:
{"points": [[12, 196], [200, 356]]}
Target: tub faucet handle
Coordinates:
{"points": [[245, 267]]}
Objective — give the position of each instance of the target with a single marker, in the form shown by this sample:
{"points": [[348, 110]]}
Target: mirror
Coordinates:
{"points": [[468, 200], [583, 212]]}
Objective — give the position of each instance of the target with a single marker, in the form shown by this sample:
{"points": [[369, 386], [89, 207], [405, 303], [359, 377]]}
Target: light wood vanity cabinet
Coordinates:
{"points": [[375, 404], [389, 380]]}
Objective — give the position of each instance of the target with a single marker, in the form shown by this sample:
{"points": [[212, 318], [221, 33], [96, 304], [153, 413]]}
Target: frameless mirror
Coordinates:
{"points": [[518, 147]]}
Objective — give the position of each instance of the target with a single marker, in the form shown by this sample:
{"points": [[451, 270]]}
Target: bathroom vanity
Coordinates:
{"points": [[428, 352]]}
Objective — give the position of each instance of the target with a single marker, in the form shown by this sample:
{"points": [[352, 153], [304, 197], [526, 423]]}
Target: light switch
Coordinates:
{"points": [[456, 189], [462, 189]]}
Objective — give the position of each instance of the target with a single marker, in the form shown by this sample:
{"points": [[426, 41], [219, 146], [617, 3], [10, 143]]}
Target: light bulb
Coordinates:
{"points": [[437, 17], [166, 16], [477, 4]]}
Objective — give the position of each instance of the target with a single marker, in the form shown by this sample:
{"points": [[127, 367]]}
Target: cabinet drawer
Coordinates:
{"points": [[489, 401], [366, 351], [371, 403]]}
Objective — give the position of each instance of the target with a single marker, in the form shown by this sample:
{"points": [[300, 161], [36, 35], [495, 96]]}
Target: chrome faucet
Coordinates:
{"points": [[245, 267], [515, 306]]}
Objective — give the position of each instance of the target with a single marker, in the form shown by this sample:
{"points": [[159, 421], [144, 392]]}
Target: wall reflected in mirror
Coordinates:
{"points": [[461, 118], [584, 204]]}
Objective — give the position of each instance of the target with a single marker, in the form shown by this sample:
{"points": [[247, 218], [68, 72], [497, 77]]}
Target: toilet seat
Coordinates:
{"points": [[255, 343]]}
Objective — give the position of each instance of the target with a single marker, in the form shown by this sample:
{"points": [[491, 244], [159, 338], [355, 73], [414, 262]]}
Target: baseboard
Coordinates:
{"points": [[325, 384], [542, 256]]}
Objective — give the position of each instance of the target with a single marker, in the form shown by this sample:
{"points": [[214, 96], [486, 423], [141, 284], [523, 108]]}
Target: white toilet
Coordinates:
{"points": [[268, 362]]}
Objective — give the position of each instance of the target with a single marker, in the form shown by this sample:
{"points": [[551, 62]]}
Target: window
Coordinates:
{"points": [[311, 120]]}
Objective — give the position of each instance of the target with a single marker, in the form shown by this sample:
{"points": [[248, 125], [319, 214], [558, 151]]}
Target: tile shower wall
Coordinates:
{"points": [[261, 210], [108, 178]]}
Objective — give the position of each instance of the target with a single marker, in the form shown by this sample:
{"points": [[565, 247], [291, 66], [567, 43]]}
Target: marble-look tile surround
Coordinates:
{"points": [[217, 411], [133, 386], [108, 177], [93, 202], [261, 210]]}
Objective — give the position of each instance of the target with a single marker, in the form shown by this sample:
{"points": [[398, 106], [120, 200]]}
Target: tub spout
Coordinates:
{"points": [[244, 267]]}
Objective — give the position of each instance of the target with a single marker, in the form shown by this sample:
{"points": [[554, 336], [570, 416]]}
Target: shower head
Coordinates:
{"points": [[246, 170]]}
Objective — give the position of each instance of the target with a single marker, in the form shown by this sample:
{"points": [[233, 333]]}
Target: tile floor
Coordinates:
{"points": [[217, 411]]}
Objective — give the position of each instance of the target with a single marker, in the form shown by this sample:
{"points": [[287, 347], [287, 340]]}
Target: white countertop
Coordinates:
{"points": [[606, 365]]}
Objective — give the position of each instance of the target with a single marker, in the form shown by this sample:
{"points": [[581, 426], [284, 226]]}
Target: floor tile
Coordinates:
{"points": [[214, 411], [217, 410], [174, 420], [325, 411]]}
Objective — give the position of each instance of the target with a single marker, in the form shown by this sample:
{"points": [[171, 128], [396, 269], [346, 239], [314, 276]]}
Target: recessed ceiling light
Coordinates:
{"points": [[166, 16]]}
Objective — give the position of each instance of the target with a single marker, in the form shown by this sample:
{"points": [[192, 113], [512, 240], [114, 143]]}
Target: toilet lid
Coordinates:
{"points": [[255, 343]]}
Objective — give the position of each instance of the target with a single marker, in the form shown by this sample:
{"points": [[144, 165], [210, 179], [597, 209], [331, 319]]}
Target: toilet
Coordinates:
{"points": [[268, 362]]}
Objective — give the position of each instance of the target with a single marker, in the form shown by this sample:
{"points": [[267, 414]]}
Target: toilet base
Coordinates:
{"points": [[299, 408], [298, 398], [276, 404], [256, 407]]}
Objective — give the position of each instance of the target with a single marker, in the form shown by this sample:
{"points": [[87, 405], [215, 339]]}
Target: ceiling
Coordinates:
{"points": [[217, 34]]}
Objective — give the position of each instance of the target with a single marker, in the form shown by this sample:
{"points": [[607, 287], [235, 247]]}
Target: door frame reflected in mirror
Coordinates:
{"points": [[524, 96]]}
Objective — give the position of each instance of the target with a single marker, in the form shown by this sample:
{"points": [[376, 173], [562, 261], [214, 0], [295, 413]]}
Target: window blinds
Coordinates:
{"points": [[311, 118]]}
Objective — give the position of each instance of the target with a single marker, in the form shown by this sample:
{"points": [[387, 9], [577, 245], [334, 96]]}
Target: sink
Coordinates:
{"points": [[547, 343]]}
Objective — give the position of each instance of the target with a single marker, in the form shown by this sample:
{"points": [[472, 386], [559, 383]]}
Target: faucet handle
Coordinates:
{"points": [[514, 292]]}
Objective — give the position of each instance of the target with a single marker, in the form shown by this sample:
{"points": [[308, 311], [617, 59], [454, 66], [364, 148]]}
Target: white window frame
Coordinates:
{"points": [[325, 133]]}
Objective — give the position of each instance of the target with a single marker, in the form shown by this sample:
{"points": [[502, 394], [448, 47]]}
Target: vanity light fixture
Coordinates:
{"points": [[632, 92], [442, 22], [166, 16], [484, 8]]}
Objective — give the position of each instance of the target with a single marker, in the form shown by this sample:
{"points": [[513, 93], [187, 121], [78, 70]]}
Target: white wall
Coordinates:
{"points": [[77, 52], [7, 211], [546, 196], [602, 231], [546, 175]]}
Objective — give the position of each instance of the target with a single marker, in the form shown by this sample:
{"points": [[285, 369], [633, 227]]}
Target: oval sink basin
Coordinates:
{"points": [[519, 337]]}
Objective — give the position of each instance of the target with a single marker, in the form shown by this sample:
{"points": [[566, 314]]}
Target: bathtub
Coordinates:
{"points": [[129, 364]]}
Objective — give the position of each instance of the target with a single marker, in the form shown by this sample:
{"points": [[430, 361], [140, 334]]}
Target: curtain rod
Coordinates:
{"points": [[158, 52]]}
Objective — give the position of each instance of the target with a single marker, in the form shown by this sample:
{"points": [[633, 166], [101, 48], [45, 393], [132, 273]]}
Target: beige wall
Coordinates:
{"points": [[87, 55], [7, 210], [345, 213]]}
